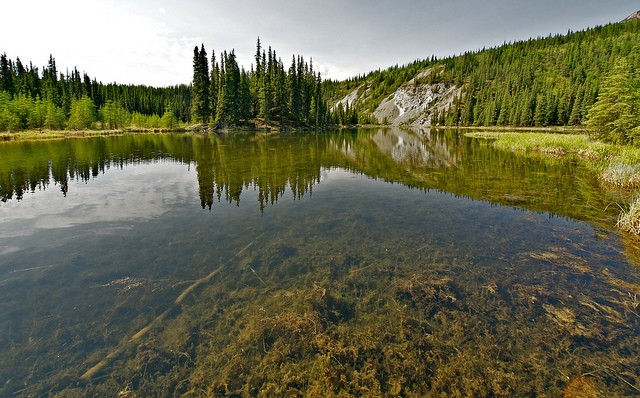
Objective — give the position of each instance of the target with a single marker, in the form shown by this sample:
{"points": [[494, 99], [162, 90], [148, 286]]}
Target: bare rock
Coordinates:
{"points": [[632, 17]]}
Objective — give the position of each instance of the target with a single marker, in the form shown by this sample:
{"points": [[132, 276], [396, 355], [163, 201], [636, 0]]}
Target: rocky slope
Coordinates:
{"points": [[632, 17], [415, 103]]}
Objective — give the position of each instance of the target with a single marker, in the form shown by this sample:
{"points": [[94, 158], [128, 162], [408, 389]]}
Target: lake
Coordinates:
{"points": [[371, 262]]}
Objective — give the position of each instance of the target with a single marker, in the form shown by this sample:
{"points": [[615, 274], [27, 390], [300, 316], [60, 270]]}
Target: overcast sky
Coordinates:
{"points": [[151, 41]]}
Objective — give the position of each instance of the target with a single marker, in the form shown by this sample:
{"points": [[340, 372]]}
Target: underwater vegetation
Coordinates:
{"points": [[282, 320], [368, 263]]}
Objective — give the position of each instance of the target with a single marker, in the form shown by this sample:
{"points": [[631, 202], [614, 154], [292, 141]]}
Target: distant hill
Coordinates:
{"points": [[546, 81]]}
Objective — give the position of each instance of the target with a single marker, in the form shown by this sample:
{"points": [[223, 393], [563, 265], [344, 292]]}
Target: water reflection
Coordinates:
{"points": [[418, 152], [353, 283], [268, 166]]}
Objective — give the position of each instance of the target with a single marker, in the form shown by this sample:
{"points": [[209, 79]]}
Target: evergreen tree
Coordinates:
{"points": [[221, 111], [229, 99], [50, 82], [6, 75], [615, 116], [575, 118], [233, 86], [280, 92], [540, 114], [200, 110], [245, 111], [256, 81], [214, 81], [266, 97], [294, 91]]}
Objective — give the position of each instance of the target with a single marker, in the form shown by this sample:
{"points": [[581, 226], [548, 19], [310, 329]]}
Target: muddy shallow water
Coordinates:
{"points": [[354, 263]]}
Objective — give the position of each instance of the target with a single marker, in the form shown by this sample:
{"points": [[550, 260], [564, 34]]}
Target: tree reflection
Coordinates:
{"points": [[230, 167]]}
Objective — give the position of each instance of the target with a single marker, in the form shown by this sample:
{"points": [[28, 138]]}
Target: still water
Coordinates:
{"points": [[353, 263]]}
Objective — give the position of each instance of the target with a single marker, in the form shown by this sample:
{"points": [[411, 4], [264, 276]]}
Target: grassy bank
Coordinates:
{"points": [[256, 124], [34, 135], [617, 166]]}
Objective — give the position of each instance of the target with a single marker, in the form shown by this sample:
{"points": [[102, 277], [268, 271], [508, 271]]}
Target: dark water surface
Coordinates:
{"points": [[354, 263]]}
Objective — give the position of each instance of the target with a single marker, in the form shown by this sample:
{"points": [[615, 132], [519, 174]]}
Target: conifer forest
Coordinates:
{"points": [[541, 82]]}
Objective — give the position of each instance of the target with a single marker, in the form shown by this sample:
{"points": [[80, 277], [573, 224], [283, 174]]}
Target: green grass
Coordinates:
{"points": [[35, 135], [550, 143]]}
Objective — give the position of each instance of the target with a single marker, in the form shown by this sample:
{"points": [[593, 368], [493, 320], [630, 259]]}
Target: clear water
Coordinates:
{"points": [[369, 262]]}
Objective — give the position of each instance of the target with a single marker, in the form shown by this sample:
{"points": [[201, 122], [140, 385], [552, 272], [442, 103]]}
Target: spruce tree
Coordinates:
{"points": [[280, 91], [266, 97], [6, 75], [244, 97], [229, 98], [221, 111], [206, 84], [294, 91], [575, 118], [615, 116], [214, 85], [200, 108]]}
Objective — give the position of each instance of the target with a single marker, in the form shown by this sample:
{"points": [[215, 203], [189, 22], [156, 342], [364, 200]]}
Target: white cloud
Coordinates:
{"points": [[335, 72], [85, 203], [111, 42], [151, 42]]}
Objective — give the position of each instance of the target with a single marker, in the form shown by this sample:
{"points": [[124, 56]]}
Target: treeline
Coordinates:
{"points": [[225, 93], [33, 100], [547, 81]]}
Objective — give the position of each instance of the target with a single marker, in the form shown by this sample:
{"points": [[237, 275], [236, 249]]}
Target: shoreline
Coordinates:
{"points": [[45, 134], [40, 135]]}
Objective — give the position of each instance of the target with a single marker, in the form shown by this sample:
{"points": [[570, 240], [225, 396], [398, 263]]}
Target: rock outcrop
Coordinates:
{"points": [[414, 103], [351, 98], [632, 17]]}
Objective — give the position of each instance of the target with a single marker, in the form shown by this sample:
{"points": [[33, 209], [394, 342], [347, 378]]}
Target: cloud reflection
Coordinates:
{"points": [[131, 198]]}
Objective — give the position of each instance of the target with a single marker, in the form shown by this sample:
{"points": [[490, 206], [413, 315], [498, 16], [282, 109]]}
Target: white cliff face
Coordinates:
{"points": [[416, 102], [350, 98], [632, 17]]}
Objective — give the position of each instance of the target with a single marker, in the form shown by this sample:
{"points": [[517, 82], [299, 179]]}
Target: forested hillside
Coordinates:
{"points": [[550, 81], [30, 99]]}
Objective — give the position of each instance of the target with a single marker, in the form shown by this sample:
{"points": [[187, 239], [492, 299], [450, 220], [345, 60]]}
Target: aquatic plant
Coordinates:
{"points": [[629, 219], [621, 175]]}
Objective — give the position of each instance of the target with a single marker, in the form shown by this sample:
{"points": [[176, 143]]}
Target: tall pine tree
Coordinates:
{"points": [[201, 107]]}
